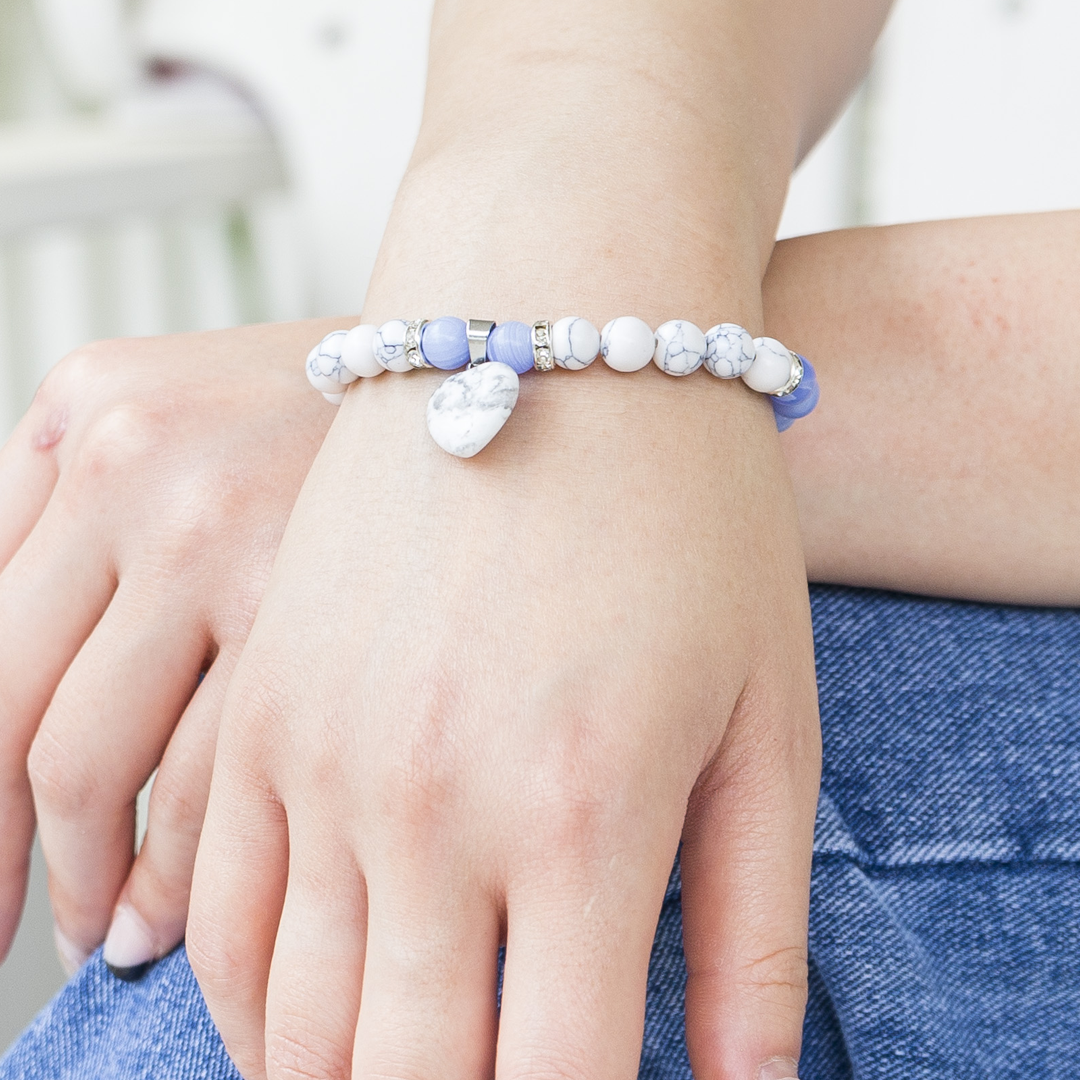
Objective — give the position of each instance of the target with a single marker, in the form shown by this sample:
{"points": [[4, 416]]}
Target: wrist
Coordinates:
{"points": [[581, 424], [621, 172], [507, 236]]}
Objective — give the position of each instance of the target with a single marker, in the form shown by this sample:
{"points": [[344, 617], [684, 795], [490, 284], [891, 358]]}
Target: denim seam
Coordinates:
{"points": [[875, 864]]}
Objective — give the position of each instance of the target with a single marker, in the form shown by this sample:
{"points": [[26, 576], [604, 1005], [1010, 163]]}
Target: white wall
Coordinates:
{"points": [[972, 107]]}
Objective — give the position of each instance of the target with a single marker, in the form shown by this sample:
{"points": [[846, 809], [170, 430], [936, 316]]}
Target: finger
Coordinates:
{"points": [[16, 838], [430, 978], [28, 474], [313, 995], [577, 957], [236, 900], [746, 885], [51, 595], [102, 736], [152, 911]]}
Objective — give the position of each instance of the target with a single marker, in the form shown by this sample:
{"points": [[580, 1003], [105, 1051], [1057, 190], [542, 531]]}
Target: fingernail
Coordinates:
{"points": [[72, 956], [129, 951], [779, 1068]]}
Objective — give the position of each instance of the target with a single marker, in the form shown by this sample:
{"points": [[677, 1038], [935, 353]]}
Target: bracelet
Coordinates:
{"points": [[467, 411]]}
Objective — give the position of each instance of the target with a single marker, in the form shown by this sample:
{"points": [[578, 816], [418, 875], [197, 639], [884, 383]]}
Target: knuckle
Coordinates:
{"points": [[122, 435], [220, 965], [163, 888], [386, 1062], [132, 437], [177, 806], [259, 702], [59, 778], [570, 794], [295, 1052], [80, 378], [572, 816], [421, 778], [80, 371], [779, 978], [547, 1063], [415, 798], [577, 794], [167, 858], [781, 961]]}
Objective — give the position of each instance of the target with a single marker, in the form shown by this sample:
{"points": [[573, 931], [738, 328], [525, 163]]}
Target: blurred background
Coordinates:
{"points": [[173, 165]]}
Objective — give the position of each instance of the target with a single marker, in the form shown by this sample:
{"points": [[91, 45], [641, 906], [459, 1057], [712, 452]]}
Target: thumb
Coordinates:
{"points": [[746, 856]]}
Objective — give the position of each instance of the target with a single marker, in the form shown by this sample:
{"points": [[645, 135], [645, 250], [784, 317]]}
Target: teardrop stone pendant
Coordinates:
{"points": [[470, 408]]}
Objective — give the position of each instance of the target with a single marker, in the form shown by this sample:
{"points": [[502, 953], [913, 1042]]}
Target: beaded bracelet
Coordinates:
{"points": [[467, 411]]}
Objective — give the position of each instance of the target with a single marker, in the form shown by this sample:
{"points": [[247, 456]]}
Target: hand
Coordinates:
{"points": [[143, 498], [482, 701]]}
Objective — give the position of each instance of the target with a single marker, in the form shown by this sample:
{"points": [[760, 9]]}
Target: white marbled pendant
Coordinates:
{"points": [[469, 409]]}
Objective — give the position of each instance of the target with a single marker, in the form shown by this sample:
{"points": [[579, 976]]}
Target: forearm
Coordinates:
{"points": [[943, 457], [605, 159], [616, 157]]}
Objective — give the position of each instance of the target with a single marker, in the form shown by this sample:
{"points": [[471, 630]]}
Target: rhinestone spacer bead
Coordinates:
{"points": [[543, 357], [413, 329], [796, 376]]}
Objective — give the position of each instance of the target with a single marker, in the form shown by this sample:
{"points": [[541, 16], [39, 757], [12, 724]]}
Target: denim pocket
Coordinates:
{"points": [[945, 914], [952, 730]]}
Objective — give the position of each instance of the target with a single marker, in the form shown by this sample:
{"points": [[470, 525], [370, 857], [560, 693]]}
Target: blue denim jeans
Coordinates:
{"points": [[945, 915]]}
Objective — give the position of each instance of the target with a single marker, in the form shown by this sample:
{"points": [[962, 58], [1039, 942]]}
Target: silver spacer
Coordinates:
{"points": [[797, 370], [413, 329], [543, 357], [478, 332]]}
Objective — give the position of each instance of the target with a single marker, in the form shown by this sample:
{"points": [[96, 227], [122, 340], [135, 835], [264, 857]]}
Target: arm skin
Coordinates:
{"points": [[943, 457], [647, 142]]}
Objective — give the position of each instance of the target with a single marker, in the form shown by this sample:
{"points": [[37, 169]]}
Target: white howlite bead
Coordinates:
{"points": [[325, 370], [627, 343], [389, 346], [334, 399], [680, 347], [575, 343], [358, 352], [771, 368], [729, 351]]}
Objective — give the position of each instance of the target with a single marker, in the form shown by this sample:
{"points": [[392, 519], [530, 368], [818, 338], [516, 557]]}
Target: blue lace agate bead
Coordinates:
{"points": [[511, 344], [445, 344], [801, 401]]}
